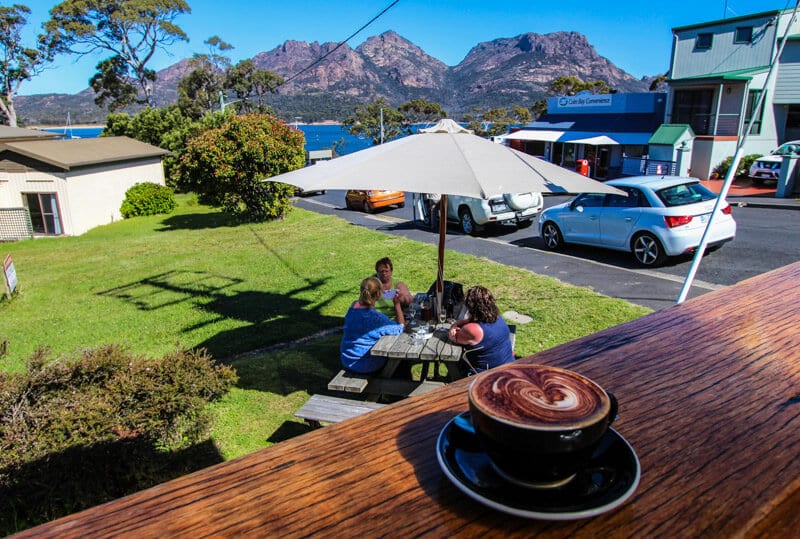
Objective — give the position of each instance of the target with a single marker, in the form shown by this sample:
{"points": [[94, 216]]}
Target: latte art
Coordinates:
{"points": [[540, 397]]}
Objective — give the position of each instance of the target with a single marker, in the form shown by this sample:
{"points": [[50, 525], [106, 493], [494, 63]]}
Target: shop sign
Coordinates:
{"points": [[585, 100]]}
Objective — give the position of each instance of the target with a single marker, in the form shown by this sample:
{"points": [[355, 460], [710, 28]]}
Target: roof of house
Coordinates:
{"points": [[10, 134], [69, 154], [730, 20], [669, 134]]}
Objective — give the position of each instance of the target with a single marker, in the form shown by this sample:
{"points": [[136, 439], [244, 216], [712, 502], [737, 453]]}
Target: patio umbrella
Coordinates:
{"points": [[446, 159]]}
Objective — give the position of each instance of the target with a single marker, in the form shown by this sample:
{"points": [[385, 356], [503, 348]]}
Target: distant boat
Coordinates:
{"points": [[68, 129]]}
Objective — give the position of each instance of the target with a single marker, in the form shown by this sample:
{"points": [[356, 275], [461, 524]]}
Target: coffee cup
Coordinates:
{"points": [[539, 425]]}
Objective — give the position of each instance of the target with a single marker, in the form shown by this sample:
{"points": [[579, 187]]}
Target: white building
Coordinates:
{"points": [[67, 187], [718, 71]]}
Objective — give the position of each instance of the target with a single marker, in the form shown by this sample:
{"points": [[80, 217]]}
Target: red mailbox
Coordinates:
{"points": [[582, 167]]}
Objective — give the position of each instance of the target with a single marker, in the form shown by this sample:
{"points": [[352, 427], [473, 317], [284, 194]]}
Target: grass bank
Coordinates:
{"points": [[196, 279]]}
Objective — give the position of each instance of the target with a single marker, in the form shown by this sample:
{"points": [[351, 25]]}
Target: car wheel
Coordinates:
{"points": [[648, 250], [368, 208], [466, 222], [524, 224], [401, 205], [551, 236]]}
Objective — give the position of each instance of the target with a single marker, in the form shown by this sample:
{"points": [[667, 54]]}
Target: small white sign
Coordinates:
{"points": [[10, 273]]}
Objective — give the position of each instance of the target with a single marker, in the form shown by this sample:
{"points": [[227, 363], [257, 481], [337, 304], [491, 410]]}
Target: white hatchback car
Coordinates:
{"points": [[768, 167], [661, 216]]}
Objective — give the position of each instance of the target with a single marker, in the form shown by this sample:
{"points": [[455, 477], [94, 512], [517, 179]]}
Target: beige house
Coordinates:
{"points": [[67, 187]]}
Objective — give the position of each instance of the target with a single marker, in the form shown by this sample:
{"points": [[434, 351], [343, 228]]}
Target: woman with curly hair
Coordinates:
{"points": [[483, 333]]}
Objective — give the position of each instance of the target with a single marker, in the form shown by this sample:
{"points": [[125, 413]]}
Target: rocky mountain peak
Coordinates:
{"points": [[328, 79]]}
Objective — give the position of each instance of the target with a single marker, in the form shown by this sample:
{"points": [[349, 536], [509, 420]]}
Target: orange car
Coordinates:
{"points": [[369, 201]]}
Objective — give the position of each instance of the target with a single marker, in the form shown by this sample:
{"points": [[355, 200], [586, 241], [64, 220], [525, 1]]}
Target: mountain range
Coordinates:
{"points": [[497, 73]]}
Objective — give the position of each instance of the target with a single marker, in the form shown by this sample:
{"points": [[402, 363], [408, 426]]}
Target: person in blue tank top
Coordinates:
{"points": [[483, 333]]}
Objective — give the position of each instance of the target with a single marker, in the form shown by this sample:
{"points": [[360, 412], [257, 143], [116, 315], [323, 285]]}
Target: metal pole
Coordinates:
{"points": [[698, 255], [442, 237]]}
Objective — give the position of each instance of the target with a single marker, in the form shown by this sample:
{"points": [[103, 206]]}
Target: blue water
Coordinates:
{"points": [[318, 137]]}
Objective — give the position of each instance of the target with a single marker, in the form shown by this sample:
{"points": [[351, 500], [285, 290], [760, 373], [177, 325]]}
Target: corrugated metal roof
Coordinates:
{"points": [[669, 134], [738, 74], [74, 153]]}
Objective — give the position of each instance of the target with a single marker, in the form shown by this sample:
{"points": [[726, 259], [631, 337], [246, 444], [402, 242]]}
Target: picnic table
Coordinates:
{"points": [[709, 400], [430, 351]]}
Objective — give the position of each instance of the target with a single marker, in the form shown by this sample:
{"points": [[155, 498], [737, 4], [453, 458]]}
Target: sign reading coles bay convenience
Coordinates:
{"points": [[10, 274], [585, 100]]}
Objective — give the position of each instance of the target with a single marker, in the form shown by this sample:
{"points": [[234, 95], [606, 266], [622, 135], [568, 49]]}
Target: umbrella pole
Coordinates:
{"points": [[442, 236]]}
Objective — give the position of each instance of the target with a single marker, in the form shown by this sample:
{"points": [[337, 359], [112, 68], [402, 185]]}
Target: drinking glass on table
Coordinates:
{"points": [[412, 310]]}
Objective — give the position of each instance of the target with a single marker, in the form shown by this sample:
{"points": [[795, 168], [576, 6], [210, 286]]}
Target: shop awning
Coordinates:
{"points": [[532, 134], [599, 140]]}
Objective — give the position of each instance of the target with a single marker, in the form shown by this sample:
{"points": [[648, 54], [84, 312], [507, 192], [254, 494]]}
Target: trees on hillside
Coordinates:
{"points": [[18, 63], [131, 30], [226, 166]]}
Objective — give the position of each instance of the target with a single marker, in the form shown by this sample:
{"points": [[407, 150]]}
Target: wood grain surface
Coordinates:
{"points": [[709, 395]]}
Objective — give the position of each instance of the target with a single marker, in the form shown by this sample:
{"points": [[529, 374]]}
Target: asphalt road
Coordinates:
{"points": [[767, 238]]}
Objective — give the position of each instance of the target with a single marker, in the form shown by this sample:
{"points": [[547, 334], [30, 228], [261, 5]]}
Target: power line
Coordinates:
{"points": [[351, 36]]}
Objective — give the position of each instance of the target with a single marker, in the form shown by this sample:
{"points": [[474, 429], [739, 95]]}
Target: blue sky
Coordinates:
{"points": [[634, 35]]}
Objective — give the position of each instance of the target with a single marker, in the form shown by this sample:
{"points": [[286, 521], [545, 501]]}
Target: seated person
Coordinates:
{"points": [[363, 326], [483, 333], [390, 288]]}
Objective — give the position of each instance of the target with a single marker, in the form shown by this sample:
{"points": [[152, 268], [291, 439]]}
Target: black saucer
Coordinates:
{"points": [[610, 478]]}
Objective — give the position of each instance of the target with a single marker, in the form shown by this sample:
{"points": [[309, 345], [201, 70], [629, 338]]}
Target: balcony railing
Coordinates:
{"points": [[703, 124]]}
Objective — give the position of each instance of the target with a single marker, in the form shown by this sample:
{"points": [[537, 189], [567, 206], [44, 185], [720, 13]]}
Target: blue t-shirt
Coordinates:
{"points": [[495, 347], [362, 329]]}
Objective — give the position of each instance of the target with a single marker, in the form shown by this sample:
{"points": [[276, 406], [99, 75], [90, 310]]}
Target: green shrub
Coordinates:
{"points": [[744, 165], [81, 430], [147, 199]]}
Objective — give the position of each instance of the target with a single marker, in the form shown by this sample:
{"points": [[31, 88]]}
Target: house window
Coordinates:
{"points": [[752, 101], [694, 107], [703, 41], [45, 217], [744, 34]]}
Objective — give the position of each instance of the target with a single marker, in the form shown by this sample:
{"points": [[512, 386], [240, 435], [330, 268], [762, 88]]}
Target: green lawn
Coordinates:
{"points": [[197, 279]]}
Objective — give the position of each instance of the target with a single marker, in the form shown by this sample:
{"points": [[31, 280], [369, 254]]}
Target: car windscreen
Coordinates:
{"points": [[685, 193]]}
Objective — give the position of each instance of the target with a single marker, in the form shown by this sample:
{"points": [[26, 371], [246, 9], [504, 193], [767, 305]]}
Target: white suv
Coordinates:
{"points": [[472, 214], [768, 167]]}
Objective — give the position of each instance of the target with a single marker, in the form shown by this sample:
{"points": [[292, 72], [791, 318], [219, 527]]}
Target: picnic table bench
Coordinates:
{"points": [[327, 409]]}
